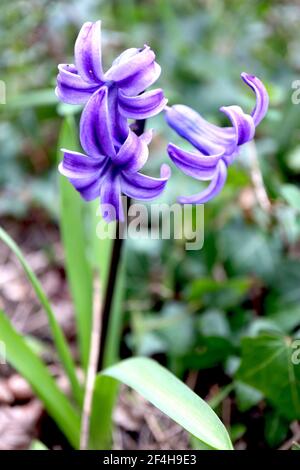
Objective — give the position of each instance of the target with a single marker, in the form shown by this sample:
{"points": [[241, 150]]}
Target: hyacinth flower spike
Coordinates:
{"points": [[126, 81], [110, 168], [216, 147]]}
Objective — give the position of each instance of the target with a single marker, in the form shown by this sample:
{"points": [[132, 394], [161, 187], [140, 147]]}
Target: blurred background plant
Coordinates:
{"points": [[222, 318]]}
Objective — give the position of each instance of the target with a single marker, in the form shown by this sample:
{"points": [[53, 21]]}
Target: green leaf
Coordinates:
{"points": [[172, 331], [57, 333], [237, 431], [276, 429], [286, 292], [267, 365], [196, 444], [246, 396], [33, 98], [214, 323], [171, 396], [72, 226], [291, 194], [101, 425], [242, 245], [208, 352], [176, 326], [37, 445], [213, 344], [21, 357], [101, 248], [223, 393], [287, 318], [223, 294]]}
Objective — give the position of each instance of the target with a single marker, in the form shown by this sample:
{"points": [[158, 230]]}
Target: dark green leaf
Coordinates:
{"points": [[267, 365]]}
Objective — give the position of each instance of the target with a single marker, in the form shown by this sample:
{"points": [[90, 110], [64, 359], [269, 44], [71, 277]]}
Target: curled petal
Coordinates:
{"points": [[213, 189], [198, 166], [147, 136], [110, 194], [118, 123], [84, 173], [134, 70], [141, 80], [143, 106], [125, 56], [196, 123], [127, 65], [95, 126], [243, 123], [207, 138], [133, 154], [78, 165], [71, 88], [88, 187], [139, 186], [88, 53], [262, 97]]}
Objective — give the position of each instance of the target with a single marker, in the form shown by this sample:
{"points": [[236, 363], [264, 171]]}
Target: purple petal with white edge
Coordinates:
{"points": [[88, 187], [213, 189], [126, 67], [180, 113], [198, 166], [134, 70], [229, 158], [95, 126], [262, 97], [110, 194], [141, 80], [71, 88], [125, 56], [88, 53], [134, 153], [207, 138], [78, 165], [139, 186], [196, 159], [118, 123], [84, 173], [147, 136], [243, 123], [144, 106]]}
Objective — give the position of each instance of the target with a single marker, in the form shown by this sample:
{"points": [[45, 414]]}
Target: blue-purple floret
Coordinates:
{"points": [[113, 153], [216, 147]]}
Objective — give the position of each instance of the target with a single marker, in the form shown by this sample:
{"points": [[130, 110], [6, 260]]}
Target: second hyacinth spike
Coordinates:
{"points": [[216, 147]]}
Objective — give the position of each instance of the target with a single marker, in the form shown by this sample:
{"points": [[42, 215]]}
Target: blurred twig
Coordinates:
{"points": [[295, 428], [257, 180]]}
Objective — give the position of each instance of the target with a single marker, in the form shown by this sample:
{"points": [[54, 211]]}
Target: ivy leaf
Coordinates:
{"points": [[268, 366], [291, 194]]}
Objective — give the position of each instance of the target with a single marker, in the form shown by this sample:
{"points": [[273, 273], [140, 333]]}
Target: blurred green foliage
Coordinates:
{"points": [[236, 300]]}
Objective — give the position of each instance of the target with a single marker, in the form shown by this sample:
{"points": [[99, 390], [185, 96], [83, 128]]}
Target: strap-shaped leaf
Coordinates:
{"points": [[167, 393], [30, 366], [73, 232]]}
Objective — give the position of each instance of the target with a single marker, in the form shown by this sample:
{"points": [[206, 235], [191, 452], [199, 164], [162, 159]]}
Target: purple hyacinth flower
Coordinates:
{"points": [[216, 147], [110, 168], [131, 73]]}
